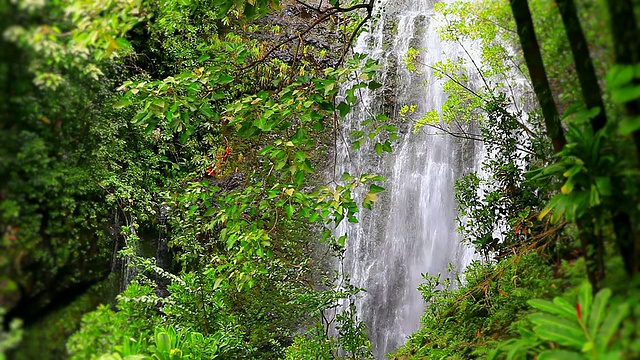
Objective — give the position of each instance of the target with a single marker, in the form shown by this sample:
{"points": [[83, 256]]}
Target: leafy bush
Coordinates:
{"points": [[563, 330], [459, 323], [9, 338]]}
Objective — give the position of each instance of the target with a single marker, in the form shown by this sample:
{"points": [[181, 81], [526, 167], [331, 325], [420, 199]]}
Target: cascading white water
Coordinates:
{"points": [[129, 269], [412, 229]]}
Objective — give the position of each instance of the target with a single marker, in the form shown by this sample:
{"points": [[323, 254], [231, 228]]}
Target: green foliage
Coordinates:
{"points": [[311, 346], [591, 186], [352, 336], [495, 210], [348, 339], [178, 106], [11, 337], [104, 328], [496, 205], [583, 330], [461, 322], [622, 82], [588, 164]]}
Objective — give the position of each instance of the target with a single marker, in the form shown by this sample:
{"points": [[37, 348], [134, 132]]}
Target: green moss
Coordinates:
{"points": [[463, 323], [46, 338]]}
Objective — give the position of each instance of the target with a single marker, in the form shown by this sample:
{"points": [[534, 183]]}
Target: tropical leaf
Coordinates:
{"points": [[551, 307], [598, 311], [557, 354], [585, 298], [610, 325], [561, 334]]}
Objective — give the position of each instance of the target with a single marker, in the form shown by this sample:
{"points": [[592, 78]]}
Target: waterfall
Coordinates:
{"points": [[412, 228], [129, 269], [163, 260]]}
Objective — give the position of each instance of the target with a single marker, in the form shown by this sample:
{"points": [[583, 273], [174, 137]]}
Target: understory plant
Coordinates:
{"points": [[11, 337], [562, 329], [462, 320]]}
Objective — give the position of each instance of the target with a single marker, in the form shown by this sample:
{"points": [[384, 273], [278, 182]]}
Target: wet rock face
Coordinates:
{"points": [[303, 26], [229, 183]]}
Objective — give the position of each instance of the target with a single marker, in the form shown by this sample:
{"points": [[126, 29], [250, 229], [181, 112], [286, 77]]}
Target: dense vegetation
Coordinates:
{"points": [[554, 209], [167, 160]]}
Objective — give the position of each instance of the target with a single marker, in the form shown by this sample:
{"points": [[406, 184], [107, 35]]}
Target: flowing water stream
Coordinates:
{"points": [[412, 229]]}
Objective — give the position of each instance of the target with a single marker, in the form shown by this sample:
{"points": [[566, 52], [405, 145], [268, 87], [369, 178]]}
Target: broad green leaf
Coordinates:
{"points": [[369, 199], [588, 346], [378, 148], [342, 240], [515, 351], [344, 109], [598, 310], [547, 209], [373, 85], [566, 306], [224, 8], [553, 308], [594, 196], [217, 283], [263, 124], [610, 325], [356, 134], [559, 208], [231, 241], [299, 177], [346, 177], [225, 79], [266, 150], [573, 170], [557, 354], [629, 124], [567, 188], [249, 11], [205, 109], [619, 75], [543, 318], [163, 343], [604, 185], [289, 210], [157, 106], [625, 94], [585, 298], [566, 335], [123, 43], [122, 103]]}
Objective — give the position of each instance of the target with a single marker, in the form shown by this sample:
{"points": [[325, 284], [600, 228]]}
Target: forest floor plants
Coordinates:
{"points": [[464, 320]]}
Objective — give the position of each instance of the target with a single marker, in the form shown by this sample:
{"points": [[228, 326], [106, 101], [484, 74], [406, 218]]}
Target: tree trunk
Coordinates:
{"points": [[626, 41], [592, 243], [533, 59], [591, 92]]}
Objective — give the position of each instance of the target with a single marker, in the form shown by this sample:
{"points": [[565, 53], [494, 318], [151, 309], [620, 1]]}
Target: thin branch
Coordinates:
{"points": [[329, 12], [443, 73], [464, 135], [474, 65], [308, 6], [348, 44]]}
